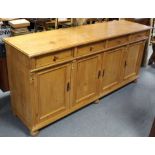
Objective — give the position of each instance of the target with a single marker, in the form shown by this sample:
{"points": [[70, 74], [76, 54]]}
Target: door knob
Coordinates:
{"points": [[55, 58], [125, 64], [68, 86], [99, 74], [91, 48]]}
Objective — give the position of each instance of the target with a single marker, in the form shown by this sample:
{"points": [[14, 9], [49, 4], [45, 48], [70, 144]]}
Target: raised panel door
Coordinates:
{"points": [[86, 75], [112, 62], [53, 89], [133, 59]]}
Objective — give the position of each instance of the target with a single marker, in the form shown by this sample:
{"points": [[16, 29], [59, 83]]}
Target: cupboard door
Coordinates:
{"points": [[133, 59], [111, 68], [86, 74], [53, 91]]}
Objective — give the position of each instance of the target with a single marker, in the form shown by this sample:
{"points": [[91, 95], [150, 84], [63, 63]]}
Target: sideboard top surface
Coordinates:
{"points": [[36, 44]]}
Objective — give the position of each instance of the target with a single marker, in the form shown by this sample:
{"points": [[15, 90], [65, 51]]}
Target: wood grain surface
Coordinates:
{"points": [[45, 42]]}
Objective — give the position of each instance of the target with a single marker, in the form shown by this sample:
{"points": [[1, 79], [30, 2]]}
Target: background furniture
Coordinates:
{"points": [[58, 23], [144, 21], [19, 26], [85, 21], [61, 71], [64, 22], [17, 29], [152, 58], [44, 24], [38, 24], [5, 32], [4, 85], [148, 22]]}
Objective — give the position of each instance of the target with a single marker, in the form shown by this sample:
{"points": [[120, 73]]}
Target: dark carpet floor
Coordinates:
{"points": [[128, 111]]}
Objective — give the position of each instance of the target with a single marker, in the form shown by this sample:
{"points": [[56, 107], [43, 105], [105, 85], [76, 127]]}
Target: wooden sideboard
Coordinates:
{"points": [[53, 73]]}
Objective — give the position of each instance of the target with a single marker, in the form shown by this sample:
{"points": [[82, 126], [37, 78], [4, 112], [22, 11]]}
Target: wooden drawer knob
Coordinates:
{"points": [[55, 58], [139, 36], [91, 48], [119, 42]]}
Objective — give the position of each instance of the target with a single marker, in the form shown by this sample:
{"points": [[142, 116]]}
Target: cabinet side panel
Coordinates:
{"points": [[20, 85]]}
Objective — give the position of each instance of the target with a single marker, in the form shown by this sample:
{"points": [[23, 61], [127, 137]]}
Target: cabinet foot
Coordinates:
{"points": [[34, 133], [135, 81], [97, 101]]}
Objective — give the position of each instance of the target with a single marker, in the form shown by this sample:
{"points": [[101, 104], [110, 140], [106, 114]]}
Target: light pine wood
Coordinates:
{"points": [[132, 59], [117, 41], [50, 41], [34, 133], [53, 89], [93, 47], [48, 85], [138, 36], [86, 79], [54, 58], [112, 64], [22, 87]]}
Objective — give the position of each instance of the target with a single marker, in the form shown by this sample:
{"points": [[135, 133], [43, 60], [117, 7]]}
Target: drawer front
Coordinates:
{"points": [[90, 48], [139, 36], [54, 58], [117, 41]]}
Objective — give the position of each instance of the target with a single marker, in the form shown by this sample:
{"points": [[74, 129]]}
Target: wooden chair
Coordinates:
{"points": [[152, 58], [99, 20], [39, 24], [60, 22], [63, 22]]}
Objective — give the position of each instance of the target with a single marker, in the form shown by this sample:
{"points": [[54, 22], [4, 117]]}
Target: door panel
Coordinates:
{"points": [[86, 79], [53, 96], [111, 68], [133, 59]]}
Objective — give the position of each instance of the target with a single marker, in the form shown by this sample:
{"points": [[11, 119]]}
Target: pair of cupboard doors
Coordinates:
{"points": [[75, 84]]}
